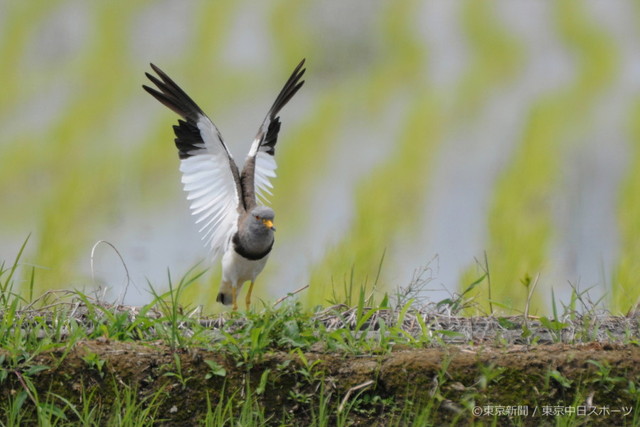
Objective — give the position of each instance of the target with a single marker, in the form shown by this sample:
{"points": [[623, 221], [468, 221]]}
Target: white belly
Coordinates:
{"points": [[237, 270]]}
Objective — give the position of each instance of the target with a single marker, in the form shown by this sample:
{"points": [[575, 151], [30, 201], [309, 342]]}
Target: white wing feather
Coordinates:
{"points": [[265, 170], [211, 188]]}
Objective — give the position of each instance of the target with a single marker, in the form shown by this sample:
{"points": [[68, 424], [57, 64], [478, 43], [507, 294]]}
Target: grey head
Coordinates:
{"points": [[263, 215], [254, 238]]}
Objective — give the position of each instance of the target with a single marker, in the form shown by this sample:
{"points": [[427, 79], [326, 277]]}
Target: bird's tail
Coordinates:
{"points": [[224, 293]]}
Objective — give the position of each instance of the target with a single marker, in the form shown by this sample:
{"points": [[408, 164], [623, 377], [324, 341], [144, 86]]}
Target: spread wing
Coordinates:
{"points": [[209, 174], [260, 165]]}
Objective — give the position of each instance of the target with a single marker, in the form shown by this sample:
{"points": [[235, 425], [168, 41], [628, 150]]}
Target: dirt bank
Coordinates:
{"points": [[452, 377]]}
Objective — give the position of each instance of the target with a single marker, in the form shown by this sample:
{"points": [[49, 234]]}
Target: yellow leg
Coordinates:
{"points": [[233, 298], [248, 299]]}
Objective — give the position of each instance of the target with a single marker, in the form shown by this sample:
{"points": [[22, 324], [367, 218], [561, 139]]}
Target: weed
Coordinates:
{"points": [[215, 369], [8, 294], [604, 378], [169, 304], [178, 373], [559, 378], [130, 408], [554, 325], [95, 362], [489, 374]]}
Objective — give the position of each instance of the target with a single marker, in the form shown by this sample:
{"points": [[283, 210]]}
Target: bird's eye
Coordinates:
{"points": [[257, 217]]}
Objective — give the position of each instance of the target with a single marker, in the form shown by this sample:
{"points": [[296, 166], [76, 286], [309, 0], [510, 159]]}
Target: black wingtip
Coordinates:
{"points": [[171, 95], [290, 88], [155, 68]]}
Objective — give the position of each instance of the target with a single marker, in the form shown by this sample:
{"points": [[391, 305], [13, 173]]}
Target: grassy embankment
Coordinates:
{"points": [[66, 358]]}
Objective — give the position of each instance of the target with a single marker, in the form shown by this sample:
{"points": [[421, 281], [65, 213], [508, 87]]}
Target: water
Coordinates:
{"points": [[475, 150]]}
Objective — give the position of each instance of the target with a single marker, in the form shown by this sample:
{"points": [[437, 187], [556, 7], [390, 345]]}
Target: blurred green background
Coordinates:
{"points": [[429, 135]]}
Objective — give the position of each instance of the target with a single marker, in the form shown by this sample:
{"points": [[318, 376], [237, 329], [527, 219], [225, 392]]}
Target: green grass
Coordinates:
{"points": [[269, 366]]}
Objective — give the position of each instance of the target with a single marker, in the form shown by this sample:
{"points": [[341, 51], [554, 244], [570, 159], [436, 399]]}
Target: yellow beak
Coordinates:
{"points": [[269, 224]]}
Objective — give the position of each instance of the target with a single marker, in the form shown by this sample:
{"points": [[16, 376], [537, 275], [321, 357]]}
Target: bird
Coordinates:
{"points": [[222, 197]]}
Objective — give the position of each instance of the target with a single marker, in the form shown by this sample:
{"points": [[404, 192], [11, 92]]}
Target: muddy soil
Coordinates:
{"points": [[456, 377]]}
